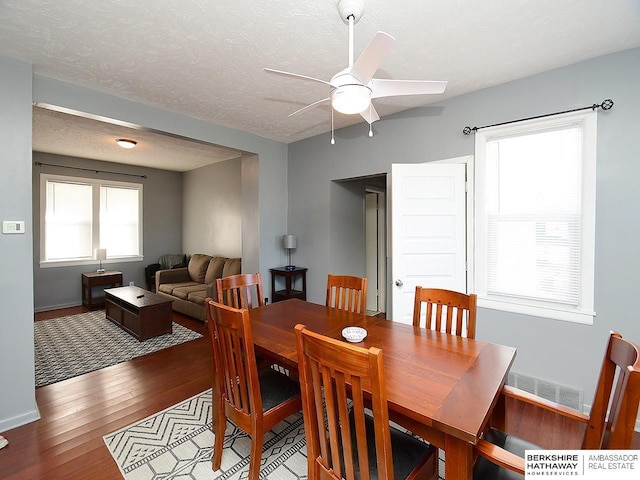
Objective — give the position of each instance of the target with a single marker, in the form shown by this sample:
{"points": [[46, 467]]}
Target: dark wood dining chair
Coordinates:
{"points": [[342, 440], [618, 391], [254, 401], [241, 291], [347, 293], [446, 310]]}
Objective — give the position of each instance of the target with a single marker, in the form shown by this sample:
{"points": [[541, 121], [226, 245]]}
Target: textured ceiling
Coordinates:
{"points": [[204, 58], [75, 136]]}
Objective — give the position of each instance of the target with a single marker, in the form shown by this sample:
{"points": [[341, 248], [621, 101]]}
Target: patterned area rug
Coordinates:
{"points": [[69, 346], [177, 443]]}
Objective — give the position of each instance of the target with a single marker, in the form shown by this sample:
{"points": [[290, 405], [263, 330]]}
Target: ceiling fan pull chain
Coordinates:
{"points": [[333, 140], [370, 122]]}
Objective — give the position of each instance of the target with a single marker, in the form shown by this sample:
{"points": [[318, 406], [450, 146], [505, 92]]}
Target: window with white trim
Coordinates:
{"points": [[535, 217], [80, 215]]}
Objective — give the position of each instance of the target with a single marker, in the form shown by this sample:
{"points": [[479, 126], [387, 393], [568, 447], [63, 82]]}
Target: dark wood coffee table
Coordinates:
{"points": [[141, 313]]}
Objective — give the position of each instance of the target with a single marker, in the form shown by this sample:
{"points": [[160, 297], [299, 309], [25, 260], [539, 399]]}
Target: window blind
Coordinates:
{"points": [[533, 216], [68, 221]]}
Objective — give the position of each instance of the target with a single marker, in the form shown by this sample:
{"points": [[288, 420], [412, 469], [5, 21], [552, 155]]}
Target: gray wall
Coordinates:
{"points": [[565, 353], [251, 214], [17, 402], [347, 229], [212, 210], [19, 89], [162, 218]]}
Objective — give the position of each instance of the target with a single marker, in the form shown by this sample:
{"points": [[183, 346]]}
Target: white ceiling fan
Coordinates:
{"points": [[352, 89]]}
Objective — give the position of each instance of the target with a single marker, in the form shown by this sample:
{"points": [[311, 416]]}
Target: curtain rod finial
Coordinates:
{"points": [[607, 104]]}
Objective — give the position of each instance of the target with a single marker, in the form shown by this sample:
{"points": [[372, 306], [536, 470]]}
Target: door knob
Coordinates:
{"points": [[399, 283]]}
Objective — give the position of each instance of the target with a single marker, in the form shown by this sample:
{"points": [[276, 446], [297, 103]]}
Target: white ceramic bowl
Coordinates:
{"points": [[354, 334]]}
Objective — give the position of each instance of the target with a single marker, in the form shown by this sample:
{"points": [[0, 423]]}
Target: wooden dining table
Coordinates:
{"points": [[442, 387]]}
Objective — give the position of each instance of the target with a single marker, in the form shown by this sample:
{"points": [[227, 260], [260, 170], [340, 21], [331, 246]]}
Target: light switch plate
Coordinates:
{"points": [[12, 226]]}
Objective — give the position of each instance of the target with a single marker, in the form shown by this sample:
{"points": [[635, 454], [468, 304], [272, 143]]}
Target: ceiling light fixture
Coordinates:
{"points": [[126, 143], [351, 99]]}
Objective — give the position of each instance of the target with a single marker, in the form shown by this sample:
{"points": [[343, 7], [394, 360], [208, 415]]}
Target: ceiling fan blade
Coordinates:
{"points": [[369, 60], [390, 88], [370, 115], [308, 107], [295, 75]]}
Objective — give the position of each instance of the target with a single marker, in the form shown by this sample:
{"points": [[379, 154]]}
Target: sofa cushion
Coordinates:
{"points": [[168, 288], [232, 266], [215, 269], [198, 297], [183, 292], [198, 264]]}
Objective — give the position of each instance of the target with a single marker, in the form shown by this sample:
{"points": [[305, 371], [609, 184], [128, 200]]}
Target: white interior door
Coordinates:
{"points": [[428, 205]]}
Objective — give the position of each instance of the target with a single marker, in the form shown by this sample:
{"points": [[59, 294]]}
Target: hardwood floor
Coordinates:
{"points": [[66, 443]]}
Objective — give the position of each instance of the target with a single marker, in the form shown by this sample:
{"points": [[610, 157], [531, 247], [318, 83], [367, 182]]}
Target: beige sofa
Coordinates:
{"points": [[189, 286]]}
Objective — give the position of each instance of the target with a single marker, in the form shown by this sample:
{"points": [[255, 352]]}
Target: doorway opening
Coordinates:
{"points": [[359, 234], [375, 249]]}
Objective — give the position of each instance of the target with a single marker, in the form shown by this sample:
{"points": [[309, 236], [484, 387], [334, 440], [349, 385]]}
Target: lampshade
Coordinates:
{"points": [[126, 143], [101, 253], [350, 99], [289, 241]]}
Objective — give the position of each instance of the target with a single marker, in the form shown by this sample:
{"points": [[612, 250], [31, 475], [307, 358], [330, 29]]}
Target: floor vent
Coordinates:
{"points": [[567, 396]]}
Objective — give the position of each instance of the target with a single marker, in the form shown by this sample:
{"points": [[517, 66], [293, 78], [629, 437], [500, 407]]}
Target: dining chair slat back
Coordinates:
{"points": [[342, 440], [241, 291], [347, 292], [446, 311], [254, 401]]}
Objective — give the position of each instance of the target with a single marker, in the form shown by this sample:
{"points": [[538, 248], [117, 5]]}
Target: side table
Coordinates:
{"points": [[290, 277], [90, 280]]}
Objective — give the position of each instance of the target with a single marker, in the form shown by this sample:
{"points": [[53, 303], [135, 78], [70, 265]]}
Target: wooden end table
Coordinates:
{"points": [[110, 278], [290, 277], [141, 313]]}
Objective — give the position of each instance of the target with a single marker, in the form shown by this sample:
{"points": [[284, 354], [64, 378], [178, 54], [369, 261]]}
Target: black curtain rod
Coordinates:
{"points": [[605, 105], [90, 169]]}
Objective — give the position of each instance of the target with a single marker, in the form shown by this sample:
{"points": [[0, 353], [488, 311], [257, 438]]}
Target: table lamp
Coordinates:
{"points": [[101, 254], [289, 243]]}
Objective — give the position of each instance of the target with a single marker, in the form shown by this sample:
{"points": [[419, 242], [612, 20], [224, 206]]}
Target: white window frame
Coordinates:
{"points": [[95, 184], [584, 312]]}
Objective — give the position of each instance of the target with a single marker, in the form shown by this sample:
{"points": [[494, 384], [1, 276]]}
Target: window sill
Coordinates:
{"points": [[75, 263], [574, 316]]}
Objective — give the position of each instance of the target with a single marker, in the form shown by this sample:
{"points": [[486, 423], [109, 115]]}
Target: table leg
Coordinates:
{"points": [[458, 463], [499, 415]]}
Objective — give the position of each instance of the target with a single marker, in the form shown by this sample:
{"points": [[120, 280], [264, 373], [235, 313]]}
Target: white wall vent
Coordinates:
{"points": [[567, 396]]}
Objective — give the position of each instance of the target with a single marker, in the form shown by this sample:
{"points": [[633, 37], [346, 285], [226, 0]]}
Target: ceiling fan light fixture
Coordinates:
{"points": [[353, 87], [126, 143], [351, 99]]}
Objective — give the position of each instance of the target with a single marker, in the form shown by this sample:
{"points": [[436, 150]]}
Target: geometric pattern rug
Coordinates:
{"points": [[69, 346], [177, 443]]}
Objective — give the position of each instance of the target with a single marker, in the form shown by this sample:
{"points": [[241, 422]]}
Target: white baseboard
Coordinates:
{"points": [[56, 307], [18, 421]]}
